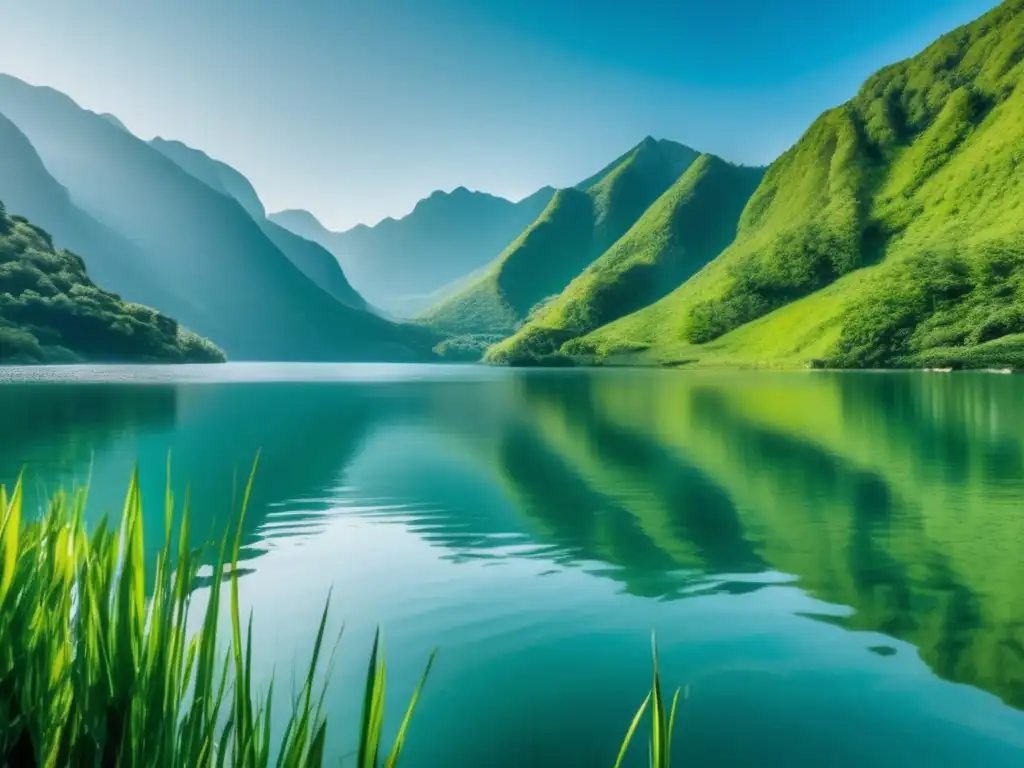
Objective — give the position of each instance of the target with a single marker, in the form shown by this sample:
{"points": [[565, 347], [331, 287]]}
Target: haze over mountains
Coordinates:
{"points": [[401, 264], [890, 234], [312, 260], [52, 312], [28, 189], [216, 269]]}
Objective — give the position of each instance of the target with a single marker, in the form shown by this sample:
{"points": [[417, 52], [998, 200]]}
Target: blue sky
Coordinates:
{"points": [[355, 110]]}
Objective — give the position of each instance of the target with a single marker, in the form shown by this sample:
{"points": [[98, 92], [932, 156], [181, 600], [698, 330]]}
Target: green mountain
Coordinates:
{"points": [[681, 232], [401, 264], [226, 279], [891, 233], [576, 227], [313, 260], [50, 311]]}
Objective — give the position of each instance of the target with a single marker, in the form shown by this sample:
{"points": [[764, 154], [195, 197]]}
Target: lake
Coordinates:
{"points": [[832, 562]]}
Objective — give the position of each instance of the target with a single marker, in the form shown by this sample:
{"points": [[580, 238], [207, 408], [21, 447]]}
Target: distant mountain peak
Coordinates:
{"points": [[114, 121], [651, 143], [297, 215], [439, 197]]}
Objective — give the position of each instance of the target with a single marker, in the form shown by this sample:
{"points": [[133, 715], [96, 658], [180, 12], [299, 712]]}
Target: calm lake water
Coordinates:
{"points": [[834, 563]]}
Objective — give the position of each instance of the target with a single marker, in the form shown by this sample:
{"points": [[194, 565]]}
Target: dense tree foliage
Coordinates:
{"points": [[50, 311]]}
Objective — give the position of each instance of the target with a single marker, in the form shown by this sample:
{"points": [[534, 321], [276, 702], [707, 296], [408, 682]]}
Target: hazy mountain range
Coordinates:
{"points": [[192, 251], [403, 265], [890, 234]]}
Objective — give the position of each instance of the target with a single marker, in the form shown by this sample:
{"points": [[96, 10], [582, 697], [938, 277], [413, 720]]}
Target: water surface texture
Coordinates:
{"points": [[833, 563]]}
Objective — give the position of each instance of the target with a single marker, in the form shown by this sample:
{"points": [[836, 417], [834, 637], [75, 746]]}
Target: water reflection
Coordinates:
{"points": [[899, 496]]}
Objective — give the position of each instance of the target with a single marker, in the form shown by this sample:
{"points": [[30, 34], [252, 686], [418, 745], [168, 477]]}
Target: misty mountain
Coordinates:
{"points": [[401, 264], [224, 277], [315, 262]]}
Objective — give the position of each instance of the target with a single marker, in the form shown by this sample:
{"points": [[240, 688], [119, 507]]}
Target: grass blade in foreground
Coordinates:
{"points": [[661, 725], [92, 673]]}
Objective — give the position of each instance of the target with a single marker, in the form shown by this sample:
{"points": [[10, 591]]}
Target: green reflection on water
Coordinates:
{"points": [[900, 496]]}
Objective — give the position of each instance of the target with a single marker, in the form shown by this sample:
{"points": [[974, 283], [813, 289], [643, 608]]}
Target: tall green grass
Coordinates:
{"points": [[99, 668], [92, 673], [662, 722]]}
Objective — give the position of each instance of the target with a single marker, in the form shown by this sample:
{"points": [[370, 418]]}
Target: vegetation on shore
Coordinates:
{"points": [[50, 311], [98, 666]]}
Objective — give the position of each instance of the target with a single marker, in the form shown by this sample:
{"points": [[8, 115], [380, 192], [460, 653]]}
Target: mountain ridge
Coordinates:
{"points": [[199, 245], [577, 226], [399, 262], [885, 236], [29, 190], [314, 261], [686, 227]]}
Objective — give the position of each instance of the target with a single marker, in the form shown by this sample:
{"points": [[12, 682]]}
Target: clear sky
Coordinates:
{"points": [[356, 109]]}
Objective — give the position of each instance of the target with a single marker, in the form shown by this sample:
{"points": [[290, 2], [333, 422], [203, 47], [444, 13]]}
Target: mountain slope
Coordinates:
{"points": [[214, 173], [304, 224], [313, 260], [28, 190], [681, 232], [890, 234], [50, 311], [199, 245], [575, 228], [399, 263]]}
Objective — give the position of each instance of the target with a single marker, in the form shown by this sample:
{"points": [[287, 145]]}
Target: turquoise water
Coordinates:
{"points": [[833, 563]]}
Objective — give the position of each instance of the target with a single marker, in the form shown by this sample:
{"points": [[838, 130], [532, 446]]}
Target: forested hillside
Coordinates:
{"points": [[50, 311]]}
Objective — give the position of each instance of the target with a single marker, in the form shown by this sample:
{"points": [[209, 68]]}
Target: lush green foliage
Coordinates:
{"points": [[466, 349], [576, 228], [903, 205], [50, 311], [28, 189], [681, 232]]}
